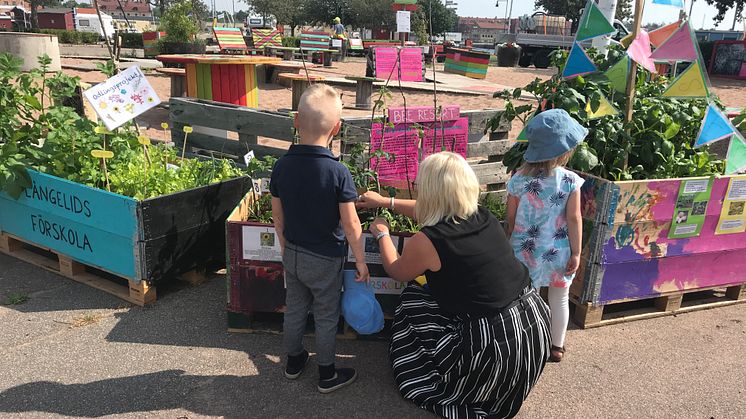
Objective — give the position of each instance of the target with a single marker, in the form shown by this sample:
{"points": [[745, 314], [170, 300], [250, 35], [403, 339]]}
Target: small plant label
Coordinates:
{"points": [[123, 97], [371, 249], [102, 154]]}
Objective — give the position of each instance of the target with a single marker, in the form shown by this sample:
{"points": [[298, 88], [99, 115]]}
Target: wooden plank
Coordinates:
{"points": [[490, 173], [231, 118], [488, 148]]}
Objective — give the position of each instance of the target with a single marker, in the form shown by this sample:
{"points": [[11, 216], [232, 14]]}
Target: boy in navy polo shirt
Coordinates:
{"points": [[313, 207]]}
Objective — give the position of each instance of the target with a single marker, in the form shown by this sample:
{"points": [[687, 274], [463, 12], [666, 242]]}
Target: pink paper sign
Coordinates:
{"points": [[423, 114], [408, 67], [402, 143], [448, 136]]}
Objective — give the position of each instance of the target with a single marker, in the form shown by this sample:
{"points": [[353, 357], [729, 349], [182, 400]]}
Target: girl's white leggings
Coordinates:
{"points": [[559, 305]]}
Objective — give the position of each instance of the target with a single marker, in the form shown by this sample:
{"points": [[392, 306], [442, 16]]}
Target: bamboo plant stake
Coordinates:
{"points": [[145, 141], [632, 77]]}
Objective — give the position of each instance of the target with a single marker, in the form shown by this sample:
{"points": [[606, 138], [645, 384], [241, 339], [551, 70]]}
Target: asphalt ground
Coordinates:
{"points": [[72, 351]]}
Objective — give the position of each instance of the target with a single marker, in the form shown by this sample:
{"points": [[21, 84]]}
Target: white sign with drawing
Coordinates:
{"points": [[261, 243], [123, 97]]}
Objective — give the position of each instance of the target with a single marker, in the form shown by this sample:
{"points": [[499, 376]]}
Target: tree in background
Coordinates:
{"points": [[322, 12], [178, 23], [724, 5], [443, 19], [571, 9], [371, 14], [287, 12], [35, 5], [240, 16]]}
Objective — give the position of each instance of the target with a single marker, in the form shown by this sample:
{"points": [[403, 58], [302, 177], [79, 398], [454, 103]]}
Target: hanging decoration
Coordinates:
{"points": [[675, 3], [659, 36], [578, 63], [678, 47], [715, 127], [689, 84], [736, 161], [639, 51], [618, 73], [606, 108], [593, 24]]}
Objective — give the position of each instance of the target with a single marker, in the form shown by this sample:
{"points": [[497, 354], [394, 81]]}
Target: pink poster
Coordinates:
{"points": [[409, 68], [402, 143], [448, 136]]}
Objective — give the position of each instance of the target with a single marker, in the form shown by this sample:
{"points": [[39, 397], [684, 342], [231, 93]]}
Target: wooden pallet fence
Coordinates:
{"points": [[628, 255], [140, 242], [484, 152]]}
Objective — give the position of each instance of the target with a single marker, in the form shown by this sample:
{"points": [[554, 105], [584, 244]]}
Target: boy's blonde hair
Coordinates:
{"points": [[447, 188], [546, 167], [319, 111]]}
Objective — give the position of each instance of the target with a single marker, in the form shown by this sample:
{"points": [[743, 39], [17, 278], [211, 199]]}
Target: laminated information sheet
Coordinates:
{"points": [[733, 214], [691, 207]]}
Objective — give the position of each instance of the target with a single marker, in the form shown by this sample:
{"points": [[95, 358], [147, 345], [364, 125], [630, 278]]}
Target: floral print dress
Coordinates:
{"points": [[540, 237]]}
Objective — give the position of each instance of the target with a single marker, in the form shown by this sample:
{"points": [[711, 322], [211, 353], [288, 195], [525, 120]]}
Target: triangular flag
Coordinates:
{"points": [[639, 51], [736, 161], [658, 36], [676, 3], [626, 41], [618, 73], [578, 63], [594, 24], [606, 108], [522, 135], [678, 47], [690, 83], [715, 127]]}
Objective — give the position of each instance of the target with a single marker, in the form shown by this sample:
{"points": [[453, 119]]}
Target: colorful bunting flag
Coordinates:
{"points": [[593, 24], [578, 63], [675, 3], [618, 73], [689, 84], [736, 161], [606, 108], [715, 127], [639, 51], [522, 138], [659, 36], [678, 47]]}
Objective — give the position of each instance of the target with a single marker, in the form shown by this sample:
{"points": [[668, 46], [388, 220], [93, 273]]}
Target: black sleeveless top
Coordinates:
{"points": [[479, 273]]}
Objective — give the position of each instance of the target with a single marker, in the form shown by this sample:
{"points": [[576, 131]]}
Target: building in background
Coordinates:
{"points": [[56, 18], [481, 29], [130, 8]]}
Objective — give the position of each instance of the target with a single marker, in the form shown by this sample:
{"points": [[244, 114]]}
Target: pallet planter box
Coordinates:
{"points": [[102, 238], [627, 255]]}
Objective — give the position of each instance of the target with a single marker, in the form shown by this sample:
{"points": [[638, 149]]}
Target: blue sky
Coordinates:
{"points": [[653, 12]]}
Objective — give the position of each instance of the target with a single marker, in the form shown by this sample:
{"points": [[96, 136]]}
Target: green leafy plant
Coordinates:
{"points": [[495, 205], [178, 22], [38, 132], [15, 298], [656, 144]]}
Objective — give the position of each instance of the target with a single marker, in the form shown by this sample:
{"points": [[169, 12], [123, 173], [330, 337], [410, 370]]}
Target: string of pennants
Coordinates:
{"points": [[673, 43]]}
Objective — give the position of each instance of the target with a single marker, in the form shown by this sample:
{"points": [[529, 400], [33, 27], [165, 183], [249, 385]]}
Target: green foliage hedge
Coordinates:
{"points": [[131, 40], [73, 37], [291, 42]]}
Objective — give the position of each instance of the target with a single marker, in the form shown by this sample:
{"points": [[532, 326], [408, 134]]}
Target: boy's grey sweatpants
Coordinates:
{"points": [[314, 283]]}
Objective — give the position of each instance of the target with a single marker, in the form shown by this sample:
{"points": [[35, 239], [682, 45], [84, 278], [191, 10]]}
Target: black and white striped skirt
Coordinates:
{"points": [[460, 367]]}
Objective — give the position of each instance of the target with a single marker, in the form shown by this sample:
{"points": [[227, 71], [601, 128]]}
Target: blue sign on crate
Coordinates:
{"points": [[92, 226]]}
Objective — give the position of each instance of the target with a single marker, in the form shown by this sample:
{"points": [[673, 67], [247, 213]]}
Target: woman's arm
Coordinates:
{"points": [[513, 202], [419, 254], [372, 199], [574, 230]]}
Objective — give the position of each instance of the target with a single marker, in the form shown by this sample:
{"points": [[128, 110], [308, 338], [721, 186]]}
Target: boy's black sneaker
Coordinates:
{"points": [[296, 365], [342, 378]]}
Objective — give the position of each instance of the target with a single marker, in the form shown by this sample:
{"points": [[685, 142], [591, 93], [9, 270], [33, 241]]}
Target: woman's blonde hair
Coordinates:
{"points": [[546, 167], [447, 188]]}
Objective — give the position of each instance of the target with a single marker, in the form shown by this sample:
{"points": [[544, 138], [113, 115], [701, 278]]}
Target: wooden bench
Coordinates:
{"points": [[271, 71], [363, 91], [300, 83], [178, 80], [288, 53]]}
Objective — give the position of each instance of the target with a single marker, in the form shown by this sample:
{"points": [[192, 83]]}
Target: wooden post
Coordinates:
{"points": [[299, 86], [639, 6], [364, 90]]}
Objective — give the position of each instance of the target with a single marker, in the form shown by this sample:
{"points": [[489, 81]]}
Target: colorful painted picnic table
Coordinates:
{"points": [[222, 78]]}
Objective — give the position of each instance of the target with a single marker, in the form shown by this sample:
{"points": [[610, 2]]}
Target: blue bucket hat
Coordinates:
{"points": [[551, 134], [360, 308]]}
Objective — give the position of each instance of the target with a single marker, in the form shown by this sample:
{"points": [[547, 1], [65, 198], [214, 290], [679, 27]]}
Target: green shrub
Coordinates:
{"points": [[131, 40], [73, 37], [291, 42], [178, 22]]}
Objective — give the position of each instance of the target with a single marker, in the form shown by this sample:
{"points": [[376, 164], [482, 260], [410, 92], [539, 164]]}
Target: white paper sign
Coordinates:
{"points": [[122, 97], [336, 43], [402, 21], [371, 249], [261, 243]]}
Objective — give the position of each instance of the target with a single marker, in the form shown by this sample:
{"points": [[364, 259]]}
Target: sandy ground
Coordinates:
{"points": [[73, 351]]}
